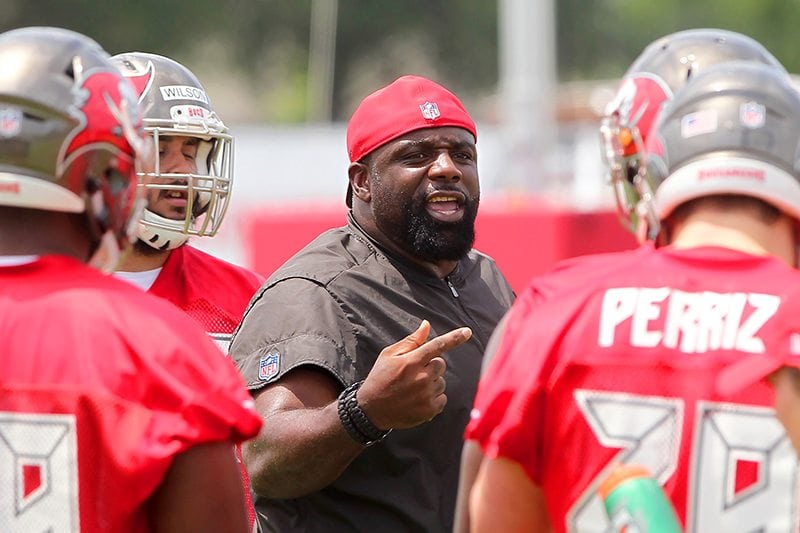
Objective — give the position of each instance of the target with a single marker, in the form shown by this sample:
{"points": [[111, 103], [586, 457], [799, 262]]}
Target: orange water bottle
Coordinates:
{"points": [[636, 503]]}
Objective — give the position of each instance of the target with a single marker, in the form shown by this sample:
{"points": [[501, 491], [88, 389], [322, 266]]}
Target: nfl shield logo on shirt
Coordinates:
{"points": [[430, 110], [268, 366]]}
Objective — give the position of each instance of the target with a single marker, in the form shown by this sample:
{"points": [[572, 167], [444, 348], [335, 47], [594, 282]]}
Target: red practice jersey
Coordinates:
{"points": [[101, 386], [613, 358], [215, 293], [212, 291]]}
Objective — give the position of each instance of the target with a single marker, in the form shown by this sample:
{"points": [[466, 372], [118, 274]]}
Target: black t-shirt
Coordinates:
{"points": [[335, 305]]}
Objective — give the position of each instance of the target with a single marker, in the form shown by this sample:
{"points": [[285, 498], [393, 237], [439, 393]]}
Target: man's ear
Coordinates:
{"points": [[358, 173]]}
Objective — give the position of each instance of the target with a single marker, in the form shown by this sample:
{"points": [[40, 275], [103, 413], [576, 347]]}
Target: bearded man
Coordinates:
{"points": [[364, 414]]}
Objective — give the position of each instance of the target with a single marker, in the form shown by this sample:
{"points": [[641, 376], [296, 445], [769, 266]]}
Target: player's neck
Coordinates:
{"points": [[35, 232], [737, 231], [138, 261]]}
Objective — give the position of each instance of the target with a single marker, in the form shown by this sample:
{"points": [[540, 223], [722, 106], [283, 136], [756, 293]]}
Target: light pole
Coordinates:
{"points": [[527, 90], [321, 60]]}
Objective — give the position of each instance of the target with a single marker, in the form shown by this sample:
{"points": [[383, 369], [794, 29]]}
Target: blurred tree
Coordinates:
{"points": [[253, 54], [452, 41]]}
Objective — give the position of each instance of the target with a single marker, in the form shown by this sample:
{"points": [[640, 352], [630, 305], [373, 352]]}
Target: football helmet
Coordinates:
{"points": [[70, 133], [174, 103], [661, 69], [734, 129]]}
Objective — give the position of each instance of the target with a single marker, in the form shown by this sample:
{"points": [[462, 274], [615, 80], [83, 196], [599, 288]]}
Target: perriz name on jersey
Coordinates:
{"points": [[692, 322]]}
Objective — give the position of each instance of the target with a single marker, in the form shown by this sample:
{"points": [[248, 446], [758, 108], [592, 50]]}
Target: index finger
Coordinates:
{"points": [[438, 345]]}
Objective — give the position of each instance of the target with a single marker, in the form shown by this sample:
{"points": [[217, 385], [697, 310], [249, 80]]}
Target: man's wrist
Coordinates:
{"points": [[355, 421]]}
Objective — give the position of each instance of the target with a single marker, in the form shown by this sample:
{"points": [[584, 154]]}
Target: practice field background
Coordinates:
{"points": [[281, 203], [535, 75]]}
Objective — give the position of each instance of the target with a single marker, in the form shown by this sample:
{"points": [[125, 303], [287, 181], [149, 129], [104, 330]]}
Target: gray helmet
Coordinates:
{"points": [[660, 70], [70, 130], [734, 129], [174, 102]]}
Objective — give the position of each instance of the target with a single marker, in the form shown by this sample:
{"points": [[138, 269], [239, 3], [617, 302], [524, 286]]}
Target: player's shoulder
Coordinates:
{"points": [[88, 296], [602, 261], [142, 309], [588, 272], [154, 327]]}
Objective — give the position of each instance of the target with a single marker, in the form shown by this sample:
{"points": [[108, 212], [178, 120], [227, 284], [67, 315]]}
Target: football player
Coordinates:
{"points": [[188, 193], [664, 66], [117, 412], [614, 358]]}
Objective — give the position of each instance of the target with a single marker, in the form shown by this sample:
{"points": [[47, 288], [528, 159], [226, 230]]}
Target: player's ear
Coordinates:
{"points": [[358, 174]]}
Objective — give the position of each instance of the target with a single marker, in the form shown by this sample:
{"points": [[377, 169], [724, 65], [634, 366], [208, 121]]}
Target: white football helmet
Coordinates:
{"points": [[174, 103]]}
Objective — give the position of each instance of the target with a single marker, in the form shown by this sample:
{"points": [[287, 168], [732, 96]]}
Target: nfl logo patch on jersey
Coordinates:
{"points": [[430, 110], [269, 365]]}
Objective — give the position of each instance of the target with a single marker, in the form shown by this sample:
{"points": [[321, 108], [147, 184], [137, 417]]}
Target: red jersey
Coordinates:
{"points": [[613, 358], [212, 291], [215, 293], [101, 385]]}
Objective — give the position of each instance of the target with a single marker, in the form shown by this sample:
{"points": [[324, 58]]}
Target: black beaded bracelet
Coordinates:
{"points": [[355, 421]]}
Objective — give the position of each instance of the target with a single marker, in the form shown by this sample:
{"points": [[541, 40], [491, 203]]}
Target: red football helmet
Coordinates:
{"points": [[661, 69], [70, 131]]}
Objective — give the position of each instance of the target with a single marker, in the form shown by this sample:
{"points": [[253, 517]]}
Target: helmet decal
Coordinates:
{"points": [[699, 123], [10, 122], [141, 81], [637, 104], [752, 115], [183, 92], [96, 96]]}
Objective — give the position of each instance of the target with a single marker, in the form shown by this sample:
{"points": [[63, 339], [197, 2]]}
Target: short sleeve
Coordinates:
{"points": [[208, 402], [506, 412], [293, 323], [194, 394], [194, 391], [493, 392]]}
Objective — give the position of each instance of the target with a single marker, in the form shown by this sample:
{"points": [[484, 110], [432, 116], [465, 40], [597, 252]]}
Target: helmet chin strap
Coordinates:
{"points": [[152, 231]]}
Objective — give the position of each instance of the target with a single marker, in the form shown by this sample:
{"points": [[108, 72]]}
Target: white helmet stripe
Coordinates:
{"points": [[729, 175], [37, 193]]}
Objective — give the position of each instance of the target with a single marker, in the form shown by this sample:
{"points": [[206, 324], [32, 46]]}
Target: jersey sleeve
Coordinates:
{"points": [[493, 393], [144, 378], [175, 391], [508, 408], [194, 391], [293, 323]]}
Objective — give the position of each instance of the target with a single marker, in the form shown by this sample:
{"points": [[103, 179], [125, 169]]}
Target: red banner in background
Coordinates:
{"points": [[524, 236]]}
